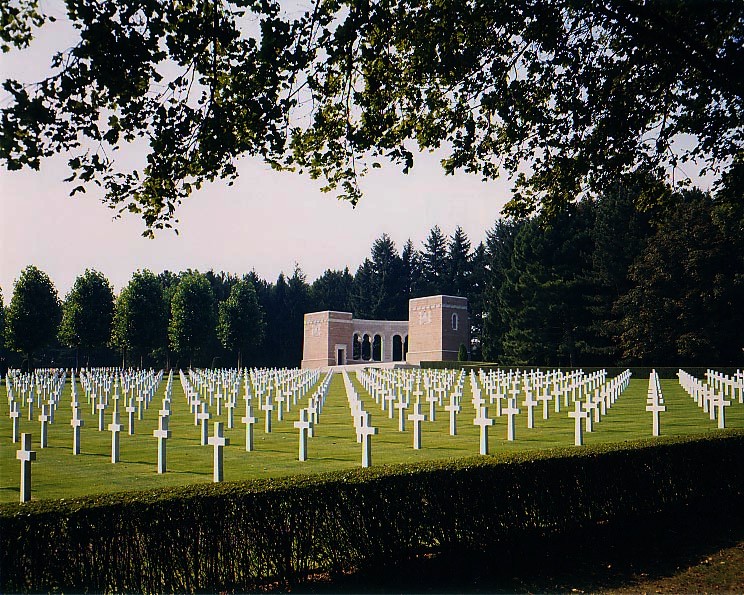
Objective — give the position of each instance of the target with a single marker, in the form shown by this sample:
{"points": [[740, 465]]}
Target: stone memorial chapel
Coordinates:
{"points": [[436, 327]]}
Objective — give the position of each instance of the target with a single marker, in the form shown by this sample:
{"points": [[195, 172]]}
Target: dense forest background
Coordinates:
{"points": [[604, 282]]}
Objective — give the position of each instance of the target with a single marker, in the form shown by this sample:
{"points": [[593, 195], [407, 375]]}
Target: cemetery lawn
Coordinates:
{"points": [[56, 473]]}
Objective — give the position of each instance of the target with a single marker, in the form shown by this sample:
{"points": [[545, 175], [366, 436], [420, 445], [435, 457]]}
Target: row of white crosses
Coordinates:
{"points": [[728, 386], [396, 389], [592, 395], [273, 390], [310, 415], [362, 420], [710, 396], [655, 401], [44, 389], [598, 403], [41, 389]]}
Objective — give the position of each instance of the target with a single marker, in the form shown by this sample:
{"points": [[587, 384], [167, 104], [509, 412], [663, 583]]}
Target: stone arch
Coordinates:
{"points": [[377, 348], [366, 348], [356, 347], [397, 348]]}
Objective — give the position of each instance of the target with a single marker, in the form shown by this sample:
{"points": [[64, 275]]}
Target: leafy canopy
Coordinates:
{"points": [[87, 312], [140, 315], [34, 312], [240, 325], [564, 96], [192, 320]]}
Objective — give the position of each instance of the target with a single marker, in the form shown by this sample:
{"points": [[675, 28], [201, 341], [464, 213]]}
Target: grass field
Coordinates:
{"points": [[59, 474]]}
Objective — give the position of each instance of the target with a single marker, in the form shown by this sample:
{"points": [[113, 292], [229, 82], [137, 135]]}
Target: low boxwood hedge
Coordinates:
{"points": [[251, 535]]}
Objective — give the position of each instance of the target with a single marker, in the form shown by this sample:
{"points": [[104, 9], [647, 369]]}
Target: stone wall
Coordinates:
{"points": [[325, 332], [437, 326], [432, 332]]}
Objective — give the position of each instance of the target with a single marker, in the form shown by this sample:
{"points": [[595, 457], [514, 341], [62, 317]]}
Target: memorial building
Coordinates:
{"points": [[436, 327]]}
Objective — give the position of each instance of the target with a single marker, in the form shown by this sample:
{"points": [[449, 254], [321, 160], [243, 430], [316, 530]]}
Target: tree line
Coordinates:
{"points": [[604, 282]]}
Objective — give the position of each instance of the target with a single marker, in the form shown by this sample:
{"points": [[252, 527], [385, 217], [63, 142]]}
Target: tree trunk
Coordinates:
{"points": [[239, 359]]}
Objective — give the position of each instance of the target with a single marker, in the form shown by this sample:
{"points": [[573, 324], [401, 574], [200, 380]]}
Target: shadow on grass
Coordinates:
{"points": [[602, 558]]}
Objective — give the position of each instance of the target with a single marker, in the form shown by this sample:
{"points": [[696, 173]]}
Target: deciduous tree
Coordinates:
{"points": [[87, 313], [586, 94], [140, 319], [192, 321], [241, 325], [32, 318]]}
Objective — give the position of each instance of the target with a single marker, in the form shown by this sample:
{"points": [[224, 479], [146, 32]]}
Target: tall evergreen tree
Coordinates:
{"points": [[619, 235], [543, 296], [411, 260], [498, 257], [476, 294], [387, 281], [434, 262], [332, 291], [298, 304], [685, 306], [364, 290], [458, 267]]}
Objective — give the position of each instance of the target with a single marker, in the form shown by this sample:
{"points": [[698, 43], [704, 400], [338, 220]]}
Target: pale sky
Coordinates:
{"points": [[266, 221]]}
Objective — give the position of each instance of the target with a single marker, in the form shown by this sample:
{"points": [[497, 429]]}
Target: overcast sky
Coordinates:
{"points": [[266, 221]]}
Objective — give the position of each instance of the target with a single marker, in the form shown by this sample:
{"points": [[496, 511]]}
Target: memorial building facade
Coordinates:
{"points": [[435, 329]]}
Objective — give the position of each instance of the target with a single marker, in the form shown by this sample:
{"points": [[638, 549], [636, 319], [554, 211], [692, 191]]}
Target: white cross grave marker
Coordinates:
{"points": [[76, 422], [303, 425], [44, 419], [130, 409], [248, 420], [453, 408], [416, 417], [483, 421], [655, 408], [115, 427], [578, 415], [204, 418], [25, 455], [366, 431], [511, 412], [15, 415], [162, 434], [218, 441]]}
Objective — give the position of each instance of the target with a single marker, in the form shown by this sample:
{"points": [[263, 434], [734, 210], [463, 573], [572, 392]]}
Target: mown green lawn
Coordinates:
{"points": [[59, 474]]}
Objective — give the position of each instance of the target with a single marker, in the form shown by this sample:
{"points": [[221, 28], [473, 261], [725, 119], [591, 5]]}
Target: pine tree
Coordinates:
{"points": [[387, 281], [411, 271], [458, 264], [332, 291], [498, 257], [434, 262]]}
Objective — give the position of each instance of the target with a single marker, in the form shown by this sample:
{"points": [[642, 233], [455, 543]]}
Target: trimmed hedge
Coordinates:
{"points": [[258, 534], [665, 372]]}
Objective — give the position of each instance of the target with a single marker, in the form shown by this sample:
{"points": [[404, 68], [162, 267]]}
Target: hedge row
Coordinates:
{"points": [[251, 535], [664, 372]]}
